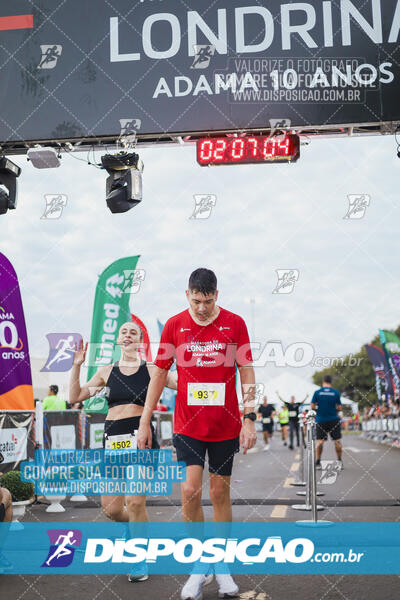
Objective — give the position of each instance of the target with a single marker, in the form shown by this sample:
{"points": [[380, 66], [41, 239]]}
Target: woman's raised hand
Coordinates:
{"points": [[80, 353]]}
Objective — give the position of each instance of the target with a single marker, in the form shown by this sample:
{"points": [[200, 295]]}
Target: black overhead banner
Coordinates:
{"points": [[85, 68]]}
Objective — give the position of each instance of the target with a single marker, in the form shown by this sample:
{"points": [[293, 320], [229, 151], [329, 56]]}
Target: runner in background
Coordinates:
{"points": [[326, 401], [207, 342], [294, 409], [283, 417], [267, 412]]}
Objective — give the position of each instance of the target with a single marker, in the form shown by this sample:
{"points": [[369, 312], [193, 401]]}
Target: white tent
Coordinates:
{"points": [[289, 385]]}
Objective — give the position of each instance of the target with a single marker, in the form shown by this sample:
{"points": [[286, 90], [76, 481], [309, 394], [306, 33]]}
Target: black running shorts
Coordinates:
{"points": [[331, 427], [268, 427], [220, 454], [121, 426]]}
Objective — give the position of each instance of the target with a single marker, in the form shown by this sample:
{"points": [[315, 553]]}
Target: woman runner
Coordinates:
{"points": [[126, 382]]}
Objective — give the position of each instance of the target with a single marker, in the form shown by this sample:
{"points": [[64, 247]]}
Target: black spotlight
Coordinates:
{"points": [[9, 172], [124, 184]]}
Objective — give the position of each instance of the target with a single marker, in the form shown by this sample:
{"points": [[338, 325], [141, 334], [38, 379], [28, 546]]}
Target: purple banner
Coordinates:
{"points": [[381, 368], [16, 391]]}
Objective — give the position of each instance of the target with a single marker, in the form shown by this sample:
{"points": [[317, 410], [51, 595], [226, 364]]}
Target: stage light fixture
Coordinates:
{"points": [[43, 158], [9, 172], [124, 183]]}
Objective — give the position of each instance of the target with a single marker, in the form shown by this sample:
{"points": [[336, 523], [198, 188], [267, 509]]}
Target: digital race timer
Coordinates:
{"points": [[247, 150]]}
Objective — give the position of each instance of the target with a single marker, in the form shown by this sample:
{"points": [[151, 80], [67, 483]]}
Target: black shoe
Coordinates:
{"points": [[284, 443], [290, 447]]}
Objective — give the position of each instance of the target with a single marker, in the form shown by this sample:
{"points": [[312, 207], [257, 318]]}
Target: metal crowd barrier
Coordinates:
{"points": [[311, 482], [383, 430], [301, 480]]}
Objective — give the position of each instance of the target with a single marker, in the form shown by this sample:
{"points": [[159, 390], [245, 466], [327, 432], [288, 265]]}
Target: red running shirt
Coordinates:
{"points": [[206, 354]]}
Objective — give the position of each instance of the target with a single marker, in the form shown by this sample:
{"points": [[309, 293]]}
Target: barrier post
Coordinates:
{"points": [[302, 493], [39, 423], [301, 480], [310, 493], [82, 435]]}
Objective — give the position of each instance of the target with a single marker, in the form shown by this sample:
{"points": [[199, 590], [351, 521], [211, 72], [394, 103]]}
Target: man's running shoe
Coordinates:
{"points": [[340, 464], [266, 447], [318, 464], [140, 573], [227, 588], [193, 588]]}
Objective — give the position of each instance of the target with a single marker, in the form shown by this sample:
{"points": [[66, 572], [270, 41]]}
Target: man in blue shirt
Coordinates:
{"points": [[326, 401]]}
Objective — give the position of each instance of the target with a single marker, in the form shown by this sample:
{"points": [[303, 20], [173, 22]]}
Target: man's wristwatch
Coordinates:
{"points": [[251, 415]]}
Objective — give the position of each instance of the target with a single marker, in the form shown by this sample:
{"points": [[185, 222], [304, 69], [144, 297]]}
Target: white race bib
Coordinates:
{"points": [[292, 413], [206, 394], [266, 420], [125, 441]]}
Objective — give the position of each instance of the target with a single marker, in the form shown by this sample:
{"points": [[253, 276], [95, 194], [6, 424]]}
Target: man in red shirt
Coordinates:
{"points": [[207, 342]]}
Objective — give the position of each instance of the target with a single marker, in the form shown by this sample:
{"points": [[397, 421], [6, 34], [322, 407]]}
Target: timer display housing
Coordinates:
{"points": [[256, 149]]}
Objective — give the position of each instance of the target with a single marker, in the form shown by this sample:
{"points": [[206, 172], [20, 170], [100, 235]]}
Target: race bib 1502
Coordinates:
{"points": [[125, 441]]}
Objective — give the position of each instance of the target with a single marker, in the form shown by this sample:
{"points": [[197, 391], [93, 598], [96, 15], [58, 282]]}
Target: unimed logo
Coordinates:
{"points": [[62, 547], [191, 550]]}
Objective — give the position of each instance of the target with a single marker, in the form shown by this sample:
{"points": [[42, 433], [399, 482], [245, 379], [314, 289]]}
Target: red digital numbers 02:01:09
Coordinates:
{"points": [[247, 150]]}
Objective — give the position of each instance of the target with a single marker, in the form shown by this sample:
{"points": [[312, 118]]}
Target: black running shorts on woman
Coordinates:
{"points": [[123, 426]]}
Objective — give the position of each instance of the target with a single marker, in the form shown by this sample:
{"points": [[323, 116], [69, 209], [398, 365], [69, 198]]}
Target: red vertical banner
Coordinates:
{"points": [[144, 350]]}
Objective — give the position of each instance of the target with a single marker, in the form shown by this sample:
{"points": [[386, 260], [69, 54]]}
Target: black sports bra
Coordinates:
{"points": [[128, 389]]}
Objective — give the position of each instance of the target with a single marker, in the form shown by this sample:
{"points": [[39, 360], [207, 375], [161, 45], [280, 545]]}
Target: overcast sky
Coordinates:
{"points": [[266, 217]]}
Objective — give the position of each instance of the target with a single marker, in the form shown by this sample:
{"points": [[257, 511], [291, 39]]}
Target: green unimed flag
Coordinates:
{"points": [[111, 310], [391, 347]]}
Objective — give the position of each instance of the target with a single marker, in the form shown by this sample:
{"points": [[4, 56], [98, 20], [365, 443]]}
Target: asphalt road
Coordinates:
{"points": [[368, 489]]}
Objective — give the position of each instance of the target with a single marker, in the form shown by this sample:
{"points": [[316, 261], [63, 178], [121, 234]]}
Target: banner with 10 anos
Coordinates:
{"points": [[152, 68]]}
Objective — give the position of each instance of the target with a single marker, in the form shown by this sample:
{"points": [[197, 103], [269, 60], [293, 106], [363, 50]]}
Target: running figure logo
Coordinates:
{"points": [[278, 125], [286, 281], [253, 394], [329, 472], [55, 204], [61, 352], [62, 547], [129, 126], [202, 56], [50, 55], [203, 205], [133, 280], [357, 206]]}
